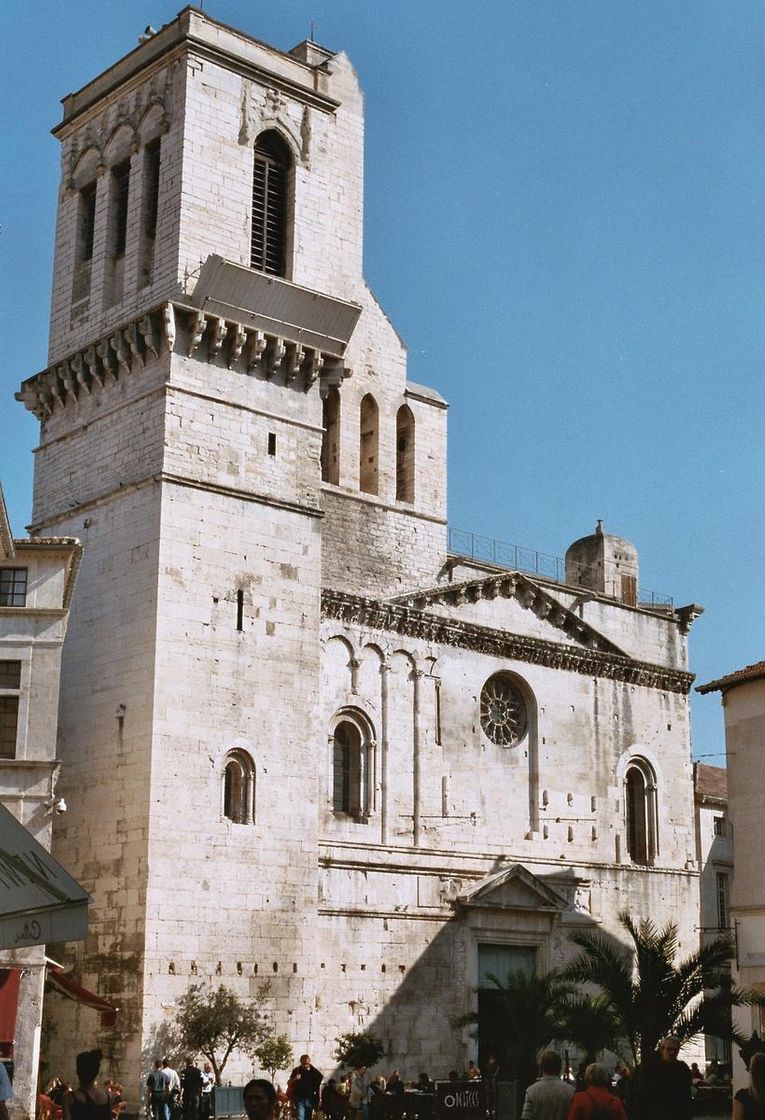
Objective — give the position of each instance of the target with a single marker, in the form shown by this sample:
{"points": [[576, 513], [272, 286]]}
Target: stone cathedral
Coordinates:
{"points": [[302, 742]]}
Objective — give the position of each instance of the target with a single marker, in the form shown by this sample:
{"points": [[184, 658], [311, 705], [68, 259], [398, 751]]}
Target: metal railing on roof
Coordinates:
{"points": [[517, 557]]}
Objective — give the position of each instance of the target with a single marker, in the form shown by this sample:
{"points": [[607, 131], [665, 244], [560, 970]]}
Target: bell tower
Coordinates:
{"points": [[227, 426]]}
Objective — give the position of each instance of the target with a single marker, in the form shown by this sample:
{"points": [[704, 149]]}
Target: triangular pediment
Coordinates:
{"points": [[517, 586], [514, 888]]}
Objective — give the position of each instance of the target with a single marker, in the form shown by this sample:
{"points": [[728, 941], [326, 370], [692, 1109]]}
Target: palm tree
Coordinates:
{"points": [[518, 1018], [590, 1024], [651, 996]]}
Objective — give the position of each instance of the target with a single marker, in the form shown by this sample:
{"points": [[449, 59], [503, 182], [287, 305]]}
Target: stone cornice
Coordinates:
{"points": [[400, 619], [177, 327], [514, 585]]}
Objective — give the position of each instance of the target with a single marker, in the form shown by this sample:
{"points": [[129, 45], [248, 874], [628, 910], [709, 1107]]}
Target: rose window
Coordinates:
{"points": [[503, 711]]}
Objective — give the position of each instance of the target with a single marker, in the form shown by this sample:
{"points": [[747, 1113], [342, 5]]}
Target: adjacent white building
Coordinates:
{"points": [[38, 900], [304, 742], [743, 699]]}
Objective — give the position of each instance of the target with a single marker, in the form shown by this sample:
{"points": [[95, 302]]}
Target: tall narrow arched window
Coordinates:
{"points": [[404, 454], [368, 445], [270, 182], [352, 766], [239, 787], [330, 443], [640, 810]]}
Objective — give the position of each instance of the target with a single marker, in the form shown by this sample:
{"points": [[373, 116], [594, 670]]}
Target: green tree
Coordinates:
{"points": [[214, 1022], [650, 995], [590, 1024], [274, 1053], [359, 1048], [518, 1019]]}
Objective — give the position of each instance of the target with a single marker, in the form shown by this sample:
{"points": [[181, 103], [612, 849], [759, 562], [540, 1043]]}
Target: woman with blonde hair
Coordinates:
{"points": [[596, 1100], [749, 1104]]}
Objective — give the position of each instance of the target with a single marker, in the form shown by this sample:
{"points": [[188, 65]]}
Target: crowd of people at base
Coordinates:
{"points": [[664, 1090]]}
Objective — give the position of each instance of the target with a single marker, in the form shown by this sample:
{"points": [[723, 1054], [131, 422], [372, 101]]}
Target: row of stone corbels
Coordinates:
{"points": [[255, 351], [180, 329]]}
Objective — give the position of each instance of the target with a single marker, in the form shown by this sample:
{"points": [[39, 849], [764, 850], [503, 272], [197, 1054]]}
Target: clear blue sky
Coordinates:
{"points": [[565, 204]]}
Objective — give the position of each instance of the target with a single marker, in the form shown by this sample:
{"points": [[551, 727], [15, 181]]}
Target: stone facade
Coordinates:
{"points": [[309, 746], [714, 855], [743, 700], [37, 581]]}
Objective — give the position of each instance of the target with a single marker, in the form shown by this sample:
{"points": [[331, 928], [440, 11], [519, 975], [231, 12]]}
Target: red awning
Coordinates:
{"points": [[61, 982], [9, 1001]]}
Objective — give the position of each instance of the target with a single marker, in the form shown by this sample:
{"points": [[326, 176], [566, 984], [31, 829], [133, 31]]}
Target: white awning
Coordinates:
{"points": [[39, 900]]}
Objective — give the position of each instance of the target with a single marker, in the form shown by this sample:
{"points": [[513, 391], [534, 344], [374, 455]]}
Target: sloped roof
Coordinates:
{"points": [[741, 676], [710, 782]]}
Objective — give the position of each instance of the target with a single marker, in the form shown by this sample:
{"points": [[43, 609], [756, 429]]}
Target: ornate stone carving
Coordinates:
{"points": [[504, 717], [394, 617]]}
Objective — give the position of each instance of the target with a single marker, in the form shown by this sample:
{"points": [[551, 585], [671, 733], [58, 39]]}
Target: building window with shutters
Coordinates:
{"points": [[10, 688], [721, 884], [270, 187]]}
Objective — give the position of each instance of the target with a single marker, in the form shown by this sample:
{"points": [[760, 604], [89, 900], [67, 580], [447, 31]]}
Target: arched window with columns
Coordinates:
{"points": [[640, 806], [239, 787], [352, 782]]}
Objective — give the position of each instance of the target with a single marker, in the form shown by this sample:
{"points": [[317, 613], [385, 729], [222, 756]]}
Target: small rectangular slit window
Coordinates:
{"points": [[272, 443], [240, 610]]}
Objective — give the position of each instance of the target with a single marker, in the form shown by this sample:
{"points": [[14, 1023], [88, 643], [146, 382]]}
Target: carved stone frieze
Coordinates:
{"points": [[398, 618]]}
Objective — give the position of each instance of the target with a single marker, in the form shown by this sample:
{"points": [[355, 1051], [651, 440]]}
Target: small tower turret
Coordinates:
{"points": [[604, 563]]}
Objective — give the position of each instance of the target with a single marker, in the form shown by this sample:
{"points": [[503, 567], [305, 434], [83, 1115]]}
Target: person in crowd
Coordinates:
{"points": [[697, 1077], [473, 1072], [423, 1084], [6, 1091], [259, 1098], [332, 1101], [173, 1089], [88, 1101], [596, 1100], [490, 1069], [377, 1098], [714, 1076], [664, 1085], [549, 1098], [394, 1096], [157, 1086], [358, 1098], [191, 1090], [206, 1099], [303, 1089], [749, 1104]]}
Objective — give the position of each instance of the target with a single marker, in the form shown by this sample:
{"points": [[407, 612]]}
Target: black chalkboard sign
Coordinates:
{"points": [[461, 1100]]}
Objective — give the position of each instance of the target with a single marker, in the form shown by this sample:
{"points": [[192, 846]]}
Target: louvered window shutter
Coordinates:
{"points": [[269, 209]]}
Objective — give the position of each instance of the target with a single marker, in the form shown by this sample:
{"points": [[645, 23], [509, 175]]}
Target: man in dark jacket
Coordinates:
{"points": [[303, 1088], [664, 1089]]}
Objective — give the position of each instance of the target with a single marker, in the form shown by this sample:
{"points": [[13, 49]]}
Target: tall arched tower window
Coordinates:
{"points": [[368, 445], [270, 180], [330, 444], [352, 753], [404, 454], [640, 809], [239, 787]]}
